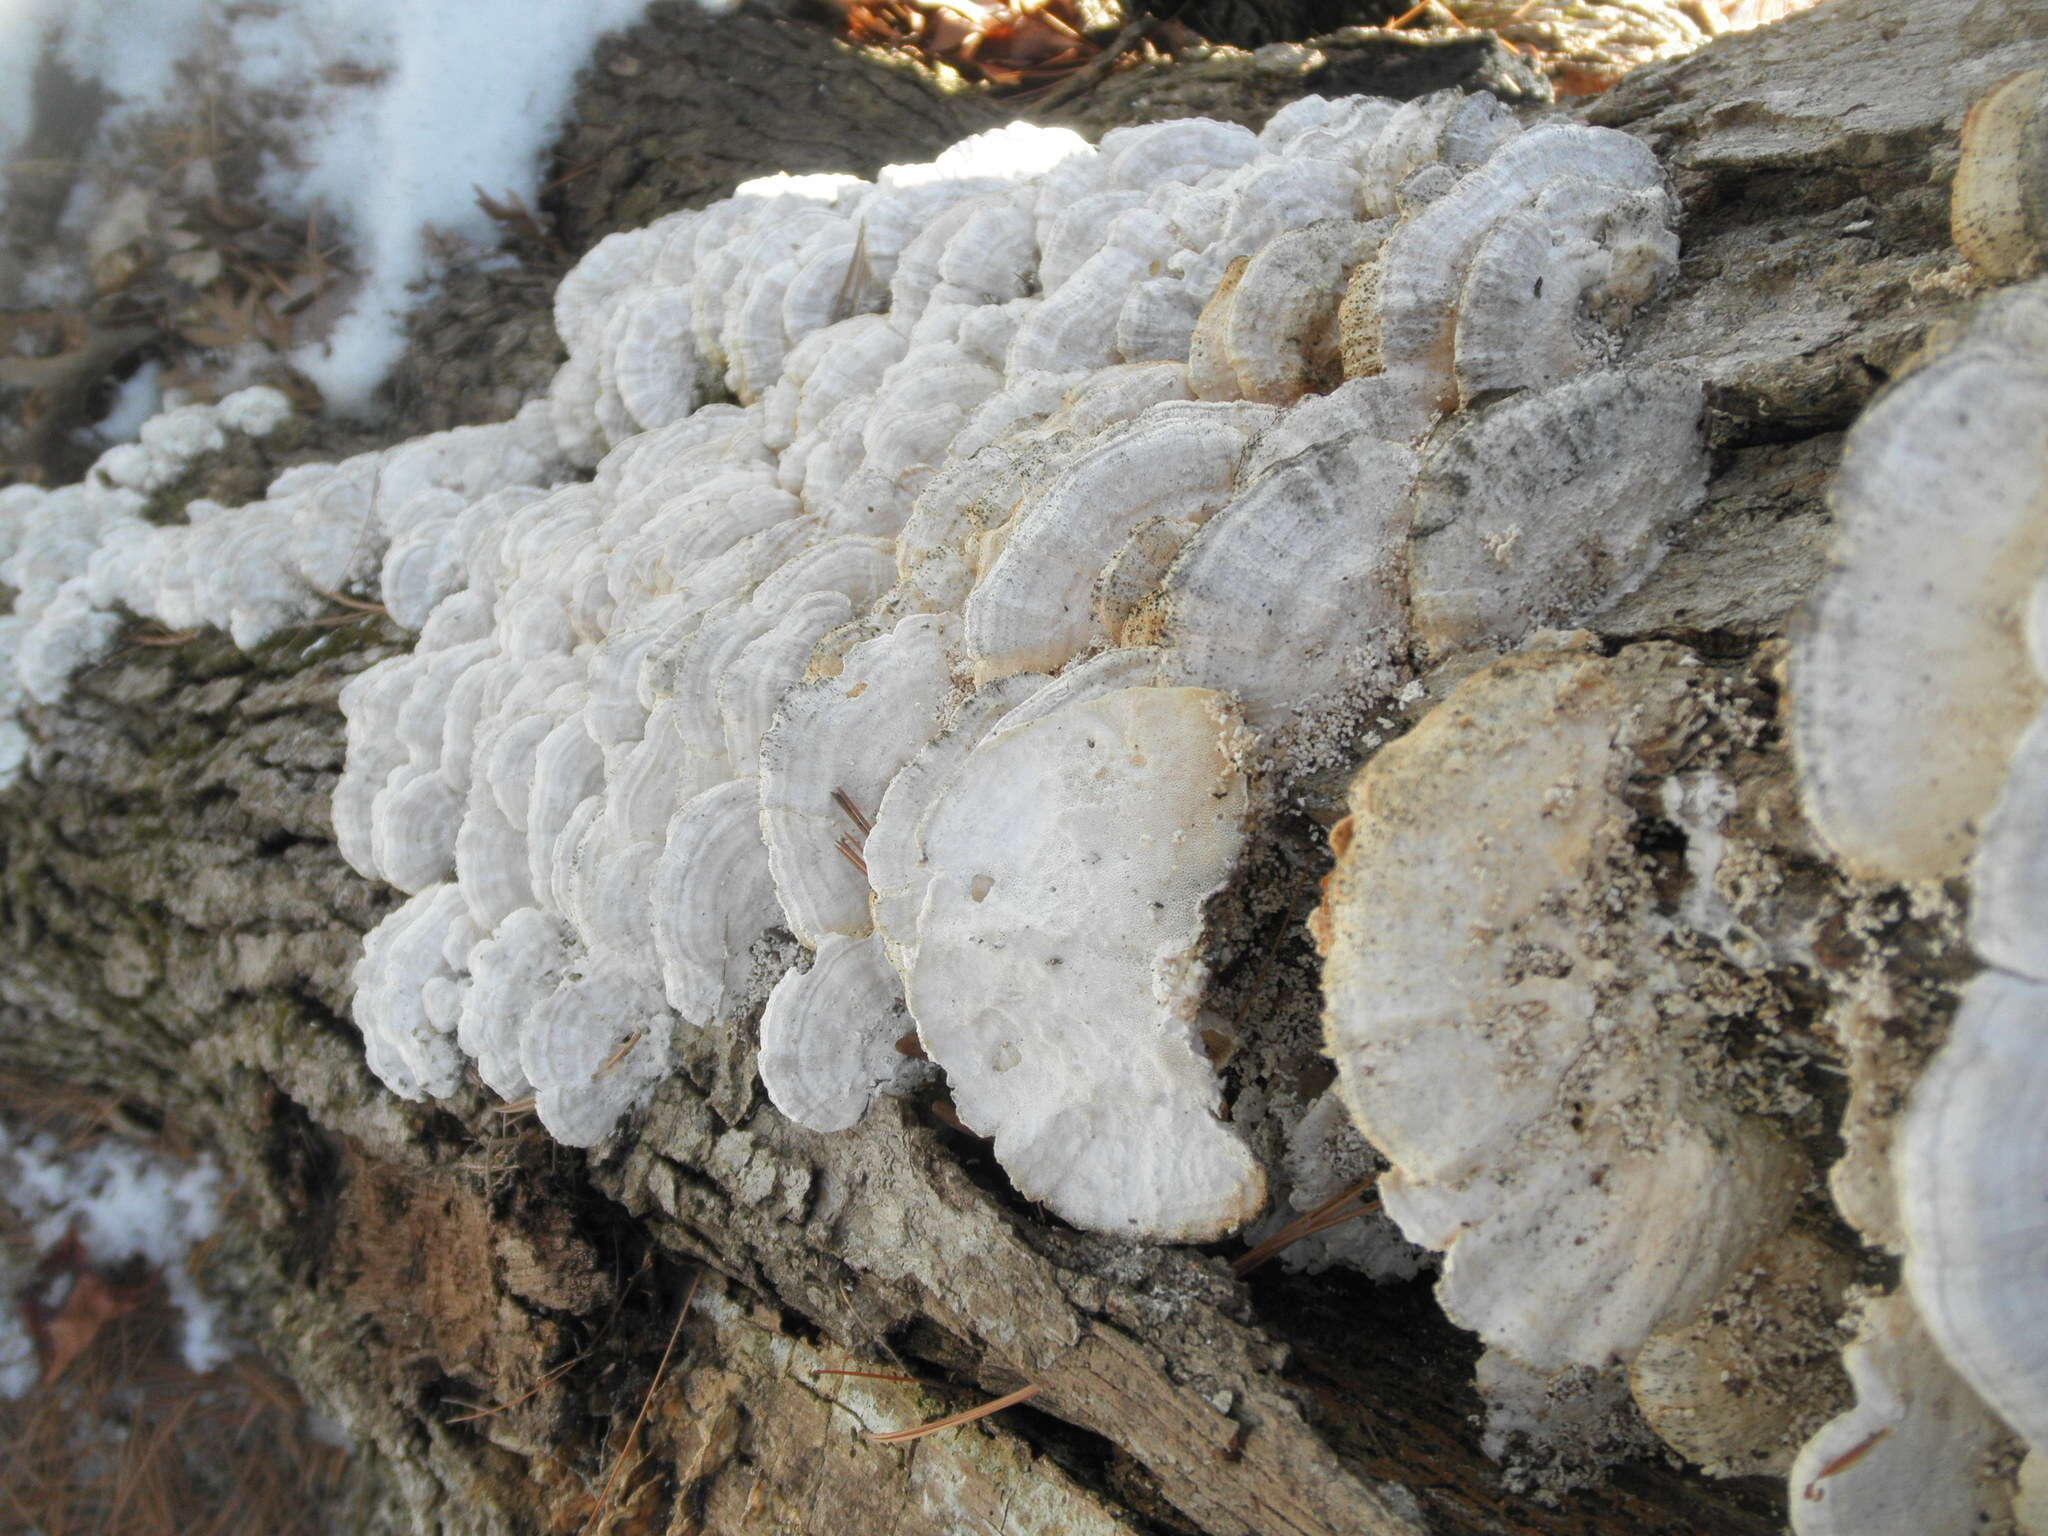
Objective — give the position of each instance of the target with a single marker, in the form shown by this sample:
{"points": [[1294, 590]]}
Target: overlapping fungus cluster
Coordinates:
{"points": [[951, 641], [946, 571]]}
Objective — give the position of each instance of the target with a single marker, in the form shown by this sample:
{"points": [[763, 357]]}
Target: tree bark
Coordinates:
{"points": [[488, 1313]]}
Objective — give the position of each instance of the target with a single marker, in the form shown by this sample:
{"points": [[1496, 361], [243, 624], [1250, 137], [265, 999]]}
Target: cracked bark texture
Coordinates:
{"points": [[485, 1312]]}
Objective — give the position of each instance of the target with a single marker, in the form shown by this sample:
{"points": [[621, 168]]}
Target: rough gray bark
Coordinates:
{"points": [[181, 931]]}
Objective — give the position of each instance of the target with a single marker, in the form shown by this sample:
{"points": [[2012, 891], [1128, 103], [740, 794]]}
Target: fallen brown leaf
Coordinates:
{"points": [[63, 1332]]}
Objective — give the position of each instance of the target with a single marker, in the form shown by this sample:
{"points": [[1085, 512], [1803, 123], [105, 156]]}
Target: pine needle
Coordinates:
{"points": [[954, 1420], [1334, 1211], [514, 1402], [354, 604], [853, 812], [604, 1497], [825, 1370], [619, 1055]]}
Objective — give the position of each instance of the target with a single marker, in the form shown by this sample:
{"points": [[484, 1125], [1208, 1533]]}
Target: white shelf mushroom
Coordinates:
{"points": [[650, 713], [1971, 1158], [1413, 294], [1294, 596], [840, 740], [713, 895], [1058, 973], [1543, 508], [828, 1034], [1916, 636], [1998, 209], [1918, 685], [1512, 1025], [1031, 609]]}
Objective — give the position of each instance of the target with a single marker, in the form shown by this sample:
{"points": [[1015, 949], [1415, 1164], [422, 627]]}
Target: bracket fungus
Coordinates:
{"points": [[828, 1034], [948, 571], [1432, 309], [1058, 979], [916, 604], [1520, 1030], [1917, 634], [920, 603], [1971, 1157], [1539, 510], [1303, 638], [1998, 210], [1913, 1453], [1919, 685]]}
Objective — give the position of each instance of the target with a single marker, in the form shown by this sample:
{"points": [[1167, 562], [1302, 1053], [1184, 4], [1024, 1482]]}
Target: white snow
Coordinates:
{"points": [[401, 111], [125, 1202], [136, 400], [51, 283]]}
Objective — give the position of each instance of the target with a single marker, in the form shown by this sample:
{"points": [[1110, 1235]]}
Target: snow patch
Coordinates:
{"points": [[400, 111], [137, 398], [125, 1202]]}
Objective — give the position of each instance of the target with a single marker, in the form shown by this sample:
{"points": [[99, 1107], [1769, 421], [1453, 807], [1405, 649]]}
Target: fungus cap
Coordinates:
{"points": [[1058, 976]]}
